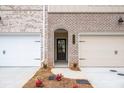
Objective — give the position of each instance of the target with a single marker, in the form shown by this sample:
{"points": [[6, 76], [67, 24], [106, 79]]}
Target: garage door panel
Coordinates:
{"points": [[101, 50], [20, 50]]}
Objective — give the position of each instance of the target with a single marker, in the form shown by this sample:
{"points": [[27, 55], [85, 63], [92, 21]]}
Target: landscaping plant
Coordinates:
{"points": [[59, 77], [38, 83], [75, 65], [75, 86], [45, 66]]}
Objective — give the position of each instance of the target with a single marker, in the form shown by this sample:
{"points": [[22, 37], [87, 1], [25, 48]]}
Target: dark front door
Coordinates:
{"points": [[61, 49]]}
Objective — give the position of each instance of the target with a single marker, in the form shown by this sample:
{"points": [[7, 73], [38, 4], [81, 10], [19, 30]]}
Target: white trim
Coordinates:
{"points": [[43, 26], [78, 52], [101, 34], [85, 8]]}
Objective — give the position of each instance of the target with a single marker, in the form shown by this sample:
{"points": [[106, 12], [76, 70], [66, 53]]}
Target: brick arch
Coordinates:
{"points": [[57, 27], [60, 29]]}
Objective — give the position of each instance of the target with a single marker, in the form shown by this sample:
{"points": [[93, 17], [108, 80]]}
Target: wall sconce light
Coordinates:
{"points": [[120, 21]]}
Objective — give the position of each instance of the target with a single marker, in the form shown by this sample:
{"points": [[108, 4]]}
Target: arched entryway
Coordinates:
{"points": [[61, 48]]}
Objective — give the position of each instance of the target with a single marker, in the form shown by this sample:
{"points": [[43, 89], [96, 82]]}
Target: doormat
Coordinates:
{"points": [[82, 81], [113, 70], [121, 74]]}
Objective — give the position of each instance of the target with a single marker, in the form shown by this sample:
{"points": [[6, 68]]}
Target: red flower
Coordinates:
{"points": [[75, 86], [59, 77], [38, 82]]}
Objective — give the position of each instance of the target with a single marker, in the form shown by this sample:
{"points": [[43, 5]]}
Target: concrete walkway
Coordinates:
{"points": [[69, 73], [16, 77]]}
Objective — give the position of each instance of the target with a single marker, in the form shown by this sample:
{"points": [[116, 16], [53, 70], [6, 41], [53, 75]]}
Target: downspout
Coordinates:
{"points": [[43, 27]]}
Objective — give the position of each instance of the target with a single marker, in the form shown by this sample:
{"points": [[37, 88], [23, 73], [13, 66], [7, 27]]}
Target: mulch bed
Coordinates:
{"points": [[44, 75]]}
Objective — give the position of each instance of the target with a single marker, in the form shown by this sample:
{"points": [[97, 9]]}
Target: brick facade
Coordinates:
{"points": [[76, 23], [16, 19], [21, 18]]}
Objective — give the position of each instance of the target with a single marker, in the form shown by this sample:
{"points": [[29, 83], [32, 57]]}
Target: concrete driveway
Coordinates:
{"points": [[104, 78], [15, 77], [98, 77]]}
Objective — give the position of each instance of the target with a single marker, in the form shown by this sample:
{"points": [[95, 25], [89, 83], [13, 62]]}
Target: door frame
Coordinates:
{"points": [[60, 34], [55, 50]]}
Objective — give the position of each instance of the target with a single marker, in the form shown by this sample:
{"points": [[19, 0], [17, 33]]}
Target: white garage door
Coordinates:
{"points": [[101, 50], [21, 50]]}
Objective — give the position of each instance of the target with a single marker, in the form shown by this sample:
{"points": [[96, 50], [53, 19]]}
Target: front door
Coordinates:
{"points": [[61, 49]]}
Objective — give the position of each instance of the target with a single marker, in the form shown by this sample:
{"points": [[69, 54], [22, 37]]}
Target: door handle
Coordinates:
{"points": [[4, 52], [82, 58], [82, 41], [36, 41], [37, 59]]}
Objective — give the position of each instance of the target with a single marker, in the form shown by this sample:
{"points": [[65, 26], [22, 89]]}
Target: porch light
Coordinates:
{"points": [[120, 21], [0, 18]]}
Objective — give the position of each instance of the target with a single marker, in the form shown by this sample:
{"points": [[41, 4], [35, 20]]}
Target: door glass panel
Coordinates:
{"points": [[61, 49]]}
